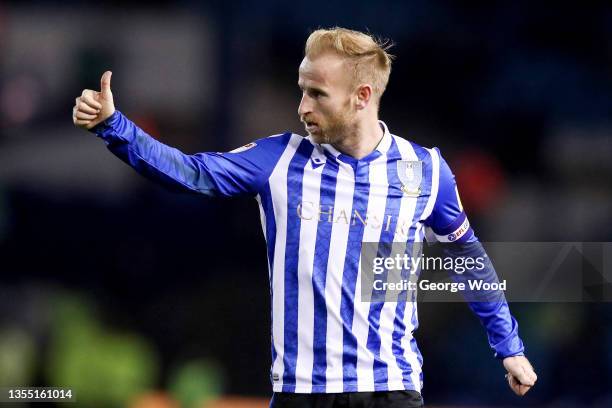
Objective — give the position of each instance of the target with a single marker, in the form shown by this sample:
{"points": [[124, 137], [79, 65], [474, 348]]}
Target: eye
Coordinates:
{"points": [[315, 93]]}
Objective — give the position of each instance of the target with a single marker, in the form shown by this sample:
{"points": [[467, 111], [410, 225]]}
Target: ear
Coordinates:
{"points": [[364, 96]]}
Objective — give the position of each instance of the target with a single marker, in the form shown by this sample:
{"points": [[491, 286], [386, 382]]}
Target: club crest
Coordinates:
{"points": [[244, 148], [410, 173]]}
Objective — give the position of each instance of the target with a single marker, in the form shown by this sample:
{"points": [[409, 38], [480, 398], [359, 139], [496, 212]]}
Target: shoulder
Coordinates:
{"points": [[287, 139], [288, 143], [276, 143], [410, 150], [279, 139]]}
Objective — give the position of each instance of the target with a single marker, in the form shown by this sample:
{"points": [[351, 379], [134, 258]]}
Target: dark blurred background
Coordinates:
{"points": [[135, 296]]}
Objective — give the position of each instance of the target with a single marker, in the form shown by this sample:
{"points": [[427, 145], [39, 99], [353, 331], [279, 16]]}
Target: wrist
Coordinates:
{"points": [[106, 123]]}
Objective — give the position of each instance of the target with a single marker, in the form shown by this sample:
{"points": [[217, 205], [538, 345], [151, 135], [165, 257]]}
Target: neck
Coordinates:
{"points": [[362, 139]]}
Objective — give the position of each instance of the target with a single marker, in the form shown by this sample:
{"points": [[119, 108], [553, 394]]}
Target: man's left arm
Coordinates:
{"points": [[449, 225]]}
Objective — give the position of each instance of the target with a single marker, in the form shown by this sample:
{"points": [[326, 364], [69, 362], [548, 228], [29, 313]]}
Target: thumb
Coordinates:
{"points": [[105, 84]]}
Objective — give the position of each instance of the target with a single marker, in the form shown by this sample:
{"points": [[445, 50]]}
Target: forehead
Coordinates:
{"points": [[323, 70]]}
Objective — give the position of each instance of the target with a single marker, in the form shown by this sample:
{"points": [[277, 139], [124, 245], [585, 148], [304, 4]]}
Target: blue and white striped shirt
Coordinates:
{"points": [[318, 206]]}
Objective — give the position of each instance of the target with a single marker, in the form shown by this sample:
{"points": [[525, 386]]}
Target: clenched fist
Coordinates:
{"points": [[93, 107], [521, 376]]}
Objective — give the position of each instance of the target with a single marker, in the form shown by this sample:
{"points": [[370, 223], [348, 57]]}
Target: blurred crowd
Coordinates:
{"points": [[109, 279]]}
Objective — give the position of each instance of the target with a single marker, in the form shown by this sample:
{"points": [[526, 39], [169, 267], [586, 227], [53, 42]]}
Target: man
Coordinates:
{"points": [[321, 197]]}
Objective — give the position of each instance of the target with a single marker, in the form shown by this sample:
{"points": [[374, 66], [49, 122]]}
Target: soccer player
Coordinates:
{"points": [[321, 197]]}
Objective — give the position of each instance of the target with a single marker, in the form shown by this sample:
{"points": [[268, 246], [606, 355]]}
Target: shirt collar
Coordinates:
{"points": [[385, 143]]}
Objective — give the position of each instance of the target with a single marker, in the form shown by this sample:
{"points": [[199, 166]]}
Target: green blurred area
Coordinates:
{"points": [[103, 366], [18, 357], [195, 383]]}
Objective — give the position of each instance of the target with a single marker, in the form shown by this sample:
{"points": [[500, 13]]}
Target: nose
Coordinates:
{"points": [[305, 106]]}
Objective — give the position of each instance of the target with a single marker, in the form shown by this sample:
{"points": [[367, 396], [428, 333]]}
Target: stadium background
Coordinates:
{"points": [[138, 297]]}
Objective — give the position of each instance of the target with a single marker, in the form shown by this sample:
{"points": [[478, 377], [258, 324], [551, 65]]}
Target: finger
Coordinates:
{"points": [[82, 122], [86, 116], [531, 374], [83, 107], [105, 84], [90, 101], [87, 92], [514, 385], [518, 388], [524, 377], [523, 389]]}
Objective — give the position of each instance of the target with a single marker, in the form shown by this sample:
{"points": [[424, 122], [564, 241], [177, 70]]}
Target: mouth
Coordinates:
{"points": [[311, 127]]}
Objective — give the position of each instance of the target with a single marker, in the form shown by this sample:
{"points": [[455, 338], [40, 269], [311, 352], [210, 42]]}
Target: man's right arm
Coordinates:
{"points": [[240, 172], [153, 159]]}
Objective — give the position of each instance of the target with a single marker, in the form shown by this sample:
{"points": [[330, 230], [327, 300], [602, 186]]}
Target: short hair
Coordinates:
{"points": [[369, 56]]}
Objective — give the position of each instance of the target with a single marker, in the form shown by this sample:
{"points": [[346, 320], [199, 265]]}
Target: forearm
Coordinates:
{"points": [[502, 328], [490, 306], [153, 159]]}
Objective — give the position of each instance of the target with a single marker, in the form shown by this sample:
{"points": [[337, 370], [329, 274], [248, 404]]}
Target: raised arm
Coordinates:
{"points": [[243, 171]]}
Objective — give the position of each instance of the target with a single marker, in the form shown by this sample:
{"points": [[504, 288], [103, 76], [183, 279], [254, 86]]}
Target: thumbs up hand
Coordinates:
{"points": [[93, 107]]}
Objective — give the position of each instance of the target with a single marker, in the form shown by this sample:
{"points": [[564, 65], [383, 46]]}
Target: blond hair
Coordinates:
{"points": [[368, 55]]}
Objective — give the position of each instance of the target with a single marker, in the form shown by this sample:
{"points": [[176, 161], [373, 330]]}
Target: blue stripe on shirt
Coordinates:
{"points": [[295, 179], [319, 276], [268, 207], [349, 276]]}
